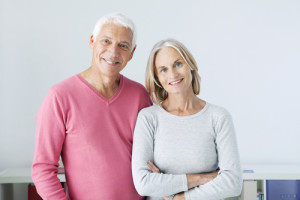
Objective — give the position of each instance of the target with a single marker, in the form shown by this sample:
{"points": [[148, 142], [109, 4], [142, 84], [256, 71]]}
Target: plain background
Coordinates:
{"points": [[248, 54]]}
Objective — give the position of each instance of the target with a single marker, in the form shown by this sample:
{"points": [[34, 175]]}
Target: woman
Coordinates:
{"points": [[189, 140]]}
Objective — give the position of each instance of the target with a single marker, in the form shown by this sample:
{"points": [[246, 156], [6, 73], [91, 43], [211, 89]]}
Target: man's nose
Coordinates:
{"points": [[114, 49]]}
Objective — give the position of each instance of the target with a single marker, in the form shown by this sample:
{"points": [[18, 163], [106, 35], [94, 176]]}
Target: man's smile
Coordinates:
{"points": [[111, 62]]}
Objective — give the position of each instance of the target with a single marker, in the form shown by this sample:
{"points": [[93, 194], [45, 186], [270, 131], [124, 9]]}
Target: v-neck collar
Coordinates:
{"points": [[107, 101]]}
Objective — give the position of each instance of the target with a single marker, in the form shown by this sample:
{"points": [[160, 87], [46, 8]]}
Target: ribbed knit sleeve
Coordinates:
{"points": [[146, 183], [228, 183], [50, 135]]}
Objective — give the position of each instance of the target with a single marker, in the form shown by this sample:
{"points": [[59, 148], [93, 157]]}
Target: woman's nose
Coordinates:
{"points": [[173, 72]]}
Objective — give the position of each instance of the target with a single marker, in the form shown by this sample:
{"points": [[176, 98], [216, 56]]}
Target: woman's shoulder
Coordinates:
{"points": [[148, 115], [149, 111], [217, 111]]}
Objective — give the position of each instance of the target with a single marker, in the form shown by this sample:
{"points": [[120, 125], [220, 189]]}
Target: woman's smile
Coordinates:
{"points": [[176, 82]]}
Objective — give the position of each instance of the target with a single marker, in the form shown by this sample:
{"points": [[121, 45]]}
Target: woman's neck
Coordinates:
{"points": [[183, 104]]}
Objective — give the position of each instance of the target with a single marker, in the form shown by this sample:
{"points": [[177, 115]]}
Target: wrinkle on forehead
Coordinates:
{"points": [[164, 56], [116, 32]]}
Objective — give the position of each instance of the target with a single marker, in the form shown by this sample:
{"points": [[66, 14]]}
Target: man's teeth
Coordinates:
{"points": [[110, 62]]}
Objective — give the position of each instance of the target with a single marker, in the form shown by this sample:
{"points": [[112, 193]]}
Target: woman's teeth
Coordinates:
{"points": [[175, 82]]}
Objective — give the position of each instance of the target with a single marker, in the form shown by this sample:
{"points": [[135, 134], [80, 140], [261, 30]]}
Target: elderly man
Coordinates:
{"points": [[88, 120]]}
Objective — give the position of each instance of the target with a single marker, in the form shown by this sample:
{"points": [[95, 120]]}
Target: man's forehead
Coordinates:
{"points": [[114, 28], [115, 32]]}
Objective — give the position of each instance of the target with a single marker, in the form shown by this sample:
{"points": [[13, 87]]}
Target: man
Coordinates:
{"points": [[89, 120]]}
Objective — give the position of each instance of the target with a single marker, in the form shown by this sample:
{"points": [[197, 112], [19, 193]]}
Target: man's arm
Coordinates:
{"points": [[50, 135]]}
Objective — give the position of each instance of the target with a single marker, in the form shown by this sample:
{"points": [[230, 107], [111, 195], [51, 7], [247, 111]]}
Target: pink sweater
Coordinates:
{"points": [[94, 137]]}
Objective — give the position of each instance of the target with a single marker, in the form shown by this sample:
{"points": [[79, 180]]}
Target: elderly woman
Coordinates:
{"points": [[184, 147]]}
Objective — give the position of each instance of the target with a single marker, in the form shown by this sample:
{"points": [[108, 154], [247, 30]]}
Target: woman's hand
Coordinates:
{"points": [[200, 179], [205, 178], [152, 167], [179, 196], [192, 179]]}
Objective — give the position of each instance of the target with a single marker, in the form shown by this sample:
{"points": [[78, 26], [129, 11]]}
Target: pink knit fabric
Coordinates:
{"points": [[94, 137]]}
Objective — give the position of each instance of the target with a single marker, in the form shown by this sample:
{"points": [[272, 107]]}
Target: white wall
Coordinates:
{"points": [[248, 54]]}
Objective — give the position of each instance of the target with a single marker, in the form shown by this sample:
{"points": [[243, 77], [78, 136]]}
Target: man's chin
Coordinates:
{"points": [[110, 72]]}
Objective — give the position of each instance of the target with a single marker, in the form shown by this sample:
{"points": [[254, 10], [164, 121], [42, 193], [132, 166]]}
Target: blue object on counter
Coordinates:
{"points": [[283, 189], [248, 171]]}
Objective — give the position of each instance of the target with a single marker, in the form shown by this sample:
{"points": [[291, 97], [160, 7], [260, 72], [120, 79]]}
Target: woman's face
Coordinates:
{"points": [[172, 71]]}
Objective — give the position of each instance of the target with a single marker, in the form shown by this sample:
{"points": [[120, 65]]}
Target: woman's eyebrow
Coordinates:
{"points": [[161, 67], [178, 59]]}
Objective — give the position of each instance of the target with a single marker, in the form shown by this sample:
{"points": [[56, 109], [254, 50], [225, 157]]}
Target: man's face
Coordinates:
{"points": [[111, 49]]}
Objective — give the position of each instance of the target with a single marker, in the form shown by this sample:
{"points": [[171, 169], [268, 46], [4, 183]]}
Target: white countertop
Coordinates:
{"points": [[20, 175], [260, 172], [272, 172]]}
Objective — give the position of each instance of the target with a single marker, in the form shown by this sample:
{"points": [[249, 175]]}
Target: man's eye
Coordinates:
{"points": [[105, 41], [124, 46]]}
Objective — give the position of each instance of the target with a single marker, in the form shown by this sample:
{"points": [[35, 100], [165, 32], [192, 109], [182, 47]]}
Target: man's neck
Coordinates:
{"points": [[105, 85]]}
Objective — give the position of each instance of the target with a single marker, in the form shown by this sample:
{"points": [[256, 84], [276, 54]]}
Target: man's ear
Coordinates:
{"points": [[132, 52], [91, 45]]}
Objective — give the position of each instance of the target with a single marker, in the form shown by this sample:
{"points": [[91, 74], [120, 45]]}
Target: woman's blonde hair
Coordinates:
{"points": [[156, 91]]}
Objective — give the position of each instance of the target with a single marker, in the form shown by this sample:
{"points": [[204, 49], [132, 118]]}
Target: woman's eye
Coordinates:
{"points": [[163, 70], [178, 64]]}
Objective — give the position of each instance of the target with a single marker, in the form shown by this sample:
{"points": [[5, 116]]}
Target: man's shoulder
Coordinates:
{"points": [[136, 92], [132, 84], [66, 84], [65, 87]]}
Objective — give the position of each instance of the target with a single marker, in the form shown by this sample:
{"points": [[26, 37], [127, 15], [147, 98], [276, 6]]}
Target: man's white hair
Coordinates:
{"points": [[118, 19]]}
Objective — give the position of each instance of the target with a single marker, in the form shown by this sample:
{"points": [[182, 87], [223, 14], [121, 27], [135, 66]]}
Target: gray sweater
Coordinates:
{"points": [[180, 145]]}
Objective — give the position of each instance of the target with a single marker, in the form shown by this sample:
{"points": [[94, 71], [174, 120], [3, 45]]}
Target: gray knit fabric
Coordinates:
{"points": [[180, 145]]}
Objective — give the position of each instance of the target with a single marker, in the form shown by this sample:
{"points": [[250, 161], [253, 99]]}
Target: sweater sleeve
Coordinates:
{"points": [[146, 183], [228, 183], [50, 135]]}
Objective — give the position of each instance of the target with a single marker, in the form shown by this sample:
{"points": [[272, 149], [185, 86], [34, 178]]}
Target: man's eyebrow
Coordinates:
{"points": [[126, 43], [107, 37]]}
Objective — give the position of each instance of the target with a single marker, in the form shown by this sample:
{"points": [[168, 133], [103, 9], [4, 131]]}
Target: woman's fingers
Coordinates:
{"points": [[152, 167]]}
